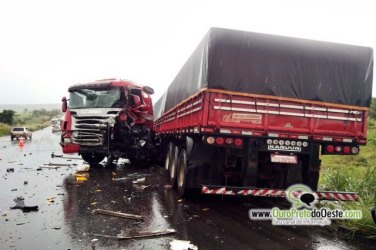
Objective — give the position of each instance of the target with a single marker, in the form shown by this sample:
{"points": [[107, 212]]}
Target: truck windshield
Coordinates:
{"points": [[96, 98]]}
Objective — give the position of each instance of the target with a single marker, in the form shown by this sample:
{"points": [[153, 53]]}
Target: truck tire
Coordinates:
{"points": [[168, 159], [182, 174], [11, 138], [173, 166], [92, 158]]}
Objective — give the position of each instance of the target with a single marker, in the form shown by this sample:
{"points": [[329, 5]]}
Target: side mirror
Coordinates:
{"points": [[64, 105], [149, 90]]}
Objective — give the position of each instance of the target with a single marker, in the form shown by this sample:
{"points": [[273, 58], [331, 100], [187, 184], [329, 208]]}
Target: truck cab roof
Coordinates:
{"points": [[104, 83]]}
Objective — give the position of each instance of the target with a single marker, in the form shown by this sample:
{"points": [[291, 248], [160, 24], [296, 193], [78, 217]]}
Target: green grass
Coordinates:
{"points": [[354, 174], [4, 129]]}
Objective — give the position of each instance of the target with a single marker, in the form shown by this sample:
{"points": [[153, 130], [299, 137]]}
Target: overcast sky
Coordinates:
{"points": [[47, 45]]}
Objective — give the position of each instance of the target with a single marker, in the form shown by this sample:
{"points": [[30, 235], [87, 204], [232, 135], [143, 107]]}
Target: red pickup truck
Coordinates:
{"points": [[250, 114]]}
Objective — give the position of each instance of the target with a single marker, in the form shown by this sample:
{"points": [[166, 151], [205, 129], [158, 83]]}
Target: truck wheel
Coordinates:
{"points": [[173, 166], [182, 174], [168, 159], [92, 158], [11, 138]]}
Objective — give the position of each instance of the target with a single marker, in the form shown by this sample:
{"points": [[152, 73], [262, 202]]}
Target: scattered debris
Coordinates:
{"points": [[144, 234], [182, 245], [83, 167], [98, 190], [93, 203], [57, 164], [39, 169], [50, 200], [131, 177], [123, 161], [14, 189], [20, 204], [57, 228], [142, 187], [205, 209], [10, 170], [26, 182], [141, 180], [168, 186], [81, 177], [19, 224], [64, 157], [117, 214]]}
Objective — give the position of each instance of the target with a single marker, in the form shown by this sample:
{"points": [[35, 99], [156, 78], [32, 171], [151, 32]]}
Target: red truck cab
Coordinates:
{"points": [[108, 118]]}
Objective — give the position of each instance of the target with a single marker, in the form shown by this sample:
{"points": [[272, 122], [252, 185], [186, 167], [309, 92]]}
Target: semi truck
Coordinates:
{"points": [[108, 118], [251, 113]]}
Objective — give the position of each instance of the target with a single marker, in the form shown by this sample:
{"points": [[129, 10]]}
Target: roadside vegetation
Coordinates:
{"points": [[34, 120], [355, 174]]}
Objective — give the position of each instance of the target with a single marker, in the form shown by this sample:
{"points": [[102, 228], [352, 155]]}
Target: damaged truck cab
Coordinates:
{"points": [[108, 118]]}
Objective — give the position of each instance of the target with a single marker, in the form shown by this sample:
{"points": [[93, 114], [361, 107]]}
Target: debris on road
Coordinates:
{"points": [[20, 204], [84, 167], [10, 170], [138, 181], [26, 182], [57, 228], [117, 214], [57, 164], [168, 186], [14, 189], [123, 161], [51, 200], [81, 177], [53, 155], [141, 187], [182, 245], [131, 177], [144, 234]]}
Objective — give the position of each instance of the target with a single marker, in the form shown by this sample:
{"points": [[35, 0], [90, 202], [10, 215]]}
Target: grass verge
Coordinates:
{"points": [[354, 174]]}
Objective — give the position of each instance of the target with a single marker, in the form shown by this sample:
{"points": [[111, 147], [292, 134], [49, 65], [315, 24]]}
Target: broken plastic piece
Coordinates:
{"points": [[10, 170]]}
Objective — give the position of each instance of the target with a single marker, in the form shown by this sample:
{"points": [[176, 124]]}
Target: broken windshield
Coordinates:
{"points": [[96, 98]]}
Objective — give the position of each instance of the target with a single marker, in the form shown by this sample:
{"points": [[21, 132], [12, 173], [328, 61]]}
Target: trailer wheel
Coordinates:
{"points": [[92, 158], [173, 166], [182, 174], [168, 159]]}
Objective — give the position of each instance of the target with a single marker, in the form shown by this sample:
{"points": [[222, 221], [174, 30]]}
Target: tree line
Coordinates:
{"points": [[9, 116]]}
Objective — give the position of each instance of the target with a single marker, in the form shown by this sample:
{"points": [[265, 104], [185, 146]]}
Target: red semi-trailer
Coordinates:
{"points": [[251, 113], [108, 118]]}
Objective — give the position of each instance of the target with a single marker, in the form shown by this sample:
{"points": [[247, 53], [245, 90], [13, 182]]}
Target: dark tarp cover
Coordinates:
{"points": [[274, 65]]}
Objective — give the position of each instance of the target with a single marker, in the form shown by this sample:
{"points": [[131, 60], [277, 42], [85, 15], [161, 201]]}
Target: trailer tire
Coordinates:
{"points": [[168, 159], [92, 158], [182, 174], [173, 166]]}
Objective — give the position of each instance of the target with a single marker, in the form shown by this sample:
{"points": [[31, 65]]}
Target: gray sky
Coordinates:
{"points": [[48, 45]]}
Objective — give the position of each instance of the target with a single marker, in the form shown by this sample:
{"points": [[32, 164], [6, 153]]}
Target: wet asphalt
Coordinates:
{"points": [[65, 218]]}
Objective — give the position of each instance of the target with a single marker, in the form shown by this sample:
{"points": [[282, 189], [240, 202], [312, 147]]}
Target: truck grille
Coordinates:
{"points": [[88, 131]]}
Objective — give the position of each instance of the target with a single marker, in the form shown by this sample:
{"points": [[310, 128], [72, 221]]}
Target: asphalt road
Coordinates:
{"points": [[65, 219]]}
